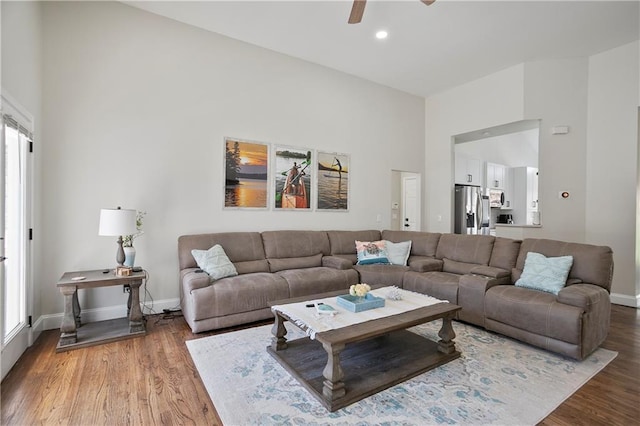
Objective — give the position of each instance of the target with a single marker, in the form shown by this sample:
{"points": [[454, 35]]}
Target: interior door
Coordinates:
{"points": [[410, 202]]}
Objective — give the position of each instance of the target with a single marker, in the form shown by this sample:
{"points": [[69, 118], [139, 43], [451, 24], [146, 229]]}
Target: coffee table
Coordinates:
{"points": [[344, 365]]}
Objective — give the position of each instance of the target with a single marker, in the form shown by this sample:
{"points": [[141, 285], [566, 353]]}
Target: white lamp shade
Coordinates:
{"points": [[116, 222]]}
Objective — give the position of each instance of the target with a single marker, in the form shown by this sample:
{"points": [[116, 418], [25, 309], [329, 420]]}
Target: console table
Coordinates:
{"points": [[74, 334]]}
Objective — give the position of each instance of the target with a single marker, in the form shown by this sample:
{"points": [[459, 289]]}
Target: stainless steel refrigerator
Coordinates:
{"points": [[472, 211]]}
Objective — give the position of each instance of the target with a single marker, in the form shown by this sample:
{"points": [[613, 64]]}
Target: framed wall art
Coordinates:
{"points": [[333, 181], [246, 174], [293, 178]]}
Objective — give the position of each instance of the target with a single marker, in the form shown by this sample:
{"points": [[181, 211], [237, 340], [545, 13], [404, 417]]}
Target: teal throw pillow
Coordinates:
{"points": [[398, 253], [370, 252], [214, 262], [545, 273]]}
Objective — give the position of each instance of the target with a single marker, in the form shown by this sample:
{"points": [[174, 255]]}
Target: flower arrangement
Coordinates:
{"points": [[359, 290], [127, 240]]}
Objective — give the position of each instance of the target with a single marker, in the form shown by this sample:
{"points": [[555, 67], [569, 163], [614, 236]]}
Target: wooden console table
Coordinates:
{"points": [[75, 335]]}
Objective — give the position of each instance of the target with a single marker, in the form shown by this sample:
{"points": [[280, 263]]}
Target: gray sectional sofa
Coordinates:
{"points": [[477, 272]]}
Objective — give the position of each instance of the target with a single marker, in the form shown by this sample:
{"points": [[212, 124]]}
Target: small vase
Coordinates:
{"points": [[129, 256]]}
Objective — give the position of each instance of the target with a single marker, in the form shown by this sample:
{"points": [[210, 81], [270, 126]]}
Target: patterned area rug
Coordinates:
{"points": [[497, 380]]}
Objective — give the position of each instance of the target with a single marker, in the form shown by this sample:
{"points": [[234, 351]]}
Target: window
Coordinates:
{"points": [[14, 225]]}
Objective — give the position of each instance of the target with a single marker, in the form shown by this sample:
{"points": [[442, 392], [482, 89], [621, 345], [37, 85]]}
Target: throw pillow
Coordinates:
{"points": [[214, 262], [398, 252], [370, 252], [545, 273]]}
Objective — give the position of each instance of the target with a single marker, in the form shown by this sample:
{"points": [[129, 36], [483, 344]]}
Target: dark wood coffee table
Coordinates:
{"points": [[347, 364]]}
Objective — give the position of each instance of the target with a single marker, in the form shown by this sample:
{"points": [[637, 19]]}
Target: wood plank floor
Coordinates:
{"points": [[152, 380]]}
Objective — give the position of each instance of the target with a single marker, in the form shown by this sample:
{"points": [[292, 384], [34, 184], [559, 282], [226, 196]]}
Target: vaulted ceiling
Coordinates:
{"points": [[429, 48]]}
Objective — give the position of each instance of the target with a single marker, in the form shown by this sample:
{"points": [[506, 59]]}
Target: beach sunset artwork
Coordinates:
{"points": [[333, 181], [246, 174]]}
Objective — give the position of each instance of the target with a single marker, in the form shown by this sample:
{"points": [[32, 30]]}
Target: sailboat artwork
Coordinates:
{"points": [[293, 178], [333, 181]]}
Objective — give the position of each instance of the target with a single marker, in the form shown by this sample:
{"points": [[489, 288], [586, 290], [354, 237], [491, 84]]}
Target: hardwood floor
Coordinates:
{"points": [[152, 380]]}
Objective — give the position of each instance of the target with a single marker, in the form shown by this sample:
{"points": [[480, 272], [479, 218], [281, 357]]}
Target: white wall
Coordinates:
{"points": [[556, 93], [20, 78], [136, 109], [493, 100], [612, 161], [588, 164]]}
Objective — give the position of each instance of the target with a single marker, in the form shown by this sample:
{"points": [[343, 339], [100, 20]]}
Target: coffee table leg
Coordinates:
{"points": [[333, 385], [446, 333], [278, 341]]}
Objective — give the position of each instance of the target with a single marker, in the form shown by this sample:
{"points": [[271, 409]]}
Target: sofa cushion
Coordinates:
{"points": [[459, 268], [441, 285], [381, 275], [244, 249], [370, 252], [545, 273], [295, 262], [342, 242], [591, 264], [535, 312], [505, 253], [242, 293], [466, 248], [311, 281], [398, 253], [422, 243], [425, 264], [214, 262], [292, 244]]}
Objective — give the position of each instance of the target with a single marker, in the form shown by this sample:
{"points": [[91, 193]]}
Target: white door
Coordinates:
{"points": [[15, 196], [410, 202]]}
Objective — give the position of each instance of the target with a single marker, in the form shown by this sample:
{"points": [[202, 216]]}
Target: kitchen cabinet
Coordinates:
{"points": [[468, 170], [495, 176], [525, 193], [508, 189]]}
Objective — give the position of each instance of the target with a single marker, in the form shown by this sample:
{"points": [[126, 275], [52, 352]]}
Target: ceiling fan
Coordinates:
{"points": [[358, 9]]}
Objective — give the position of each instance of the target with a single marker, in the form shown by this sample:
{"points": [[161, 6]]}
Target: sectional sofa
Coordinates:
{"points": [[477, 272]]}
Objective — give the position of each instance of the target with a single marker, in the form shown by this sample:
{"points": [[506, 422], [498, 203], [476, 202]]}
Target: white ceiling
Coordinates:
{"points": [[429, 48]]}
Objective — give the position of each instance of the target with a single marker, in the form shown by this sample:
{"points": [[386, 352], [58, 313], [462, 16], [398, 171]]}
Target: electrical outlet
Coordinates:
{"points": [[126, 288]]}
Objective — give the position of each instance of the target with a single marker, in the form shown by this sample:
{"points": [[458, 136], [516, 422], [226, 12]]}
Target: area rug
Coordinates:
{"points": [[497, 380]]}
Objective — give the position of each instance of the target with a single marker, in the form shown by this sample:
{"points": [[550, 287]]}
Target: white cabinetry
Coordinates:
{"points": [[495, 178], [525, 196], [468, 170], [508, 189]]}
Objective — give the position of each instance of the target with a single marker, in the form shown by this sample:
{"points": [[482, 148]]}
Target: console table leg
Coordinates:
{"points": [[135, 317], [278, 341], [68, 334], [76, 309], [333, 386], [446, 333]]}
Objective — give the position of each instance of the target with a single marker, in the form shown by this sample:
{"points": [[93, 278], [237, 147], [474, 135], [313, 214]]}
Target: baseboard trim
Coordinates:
{"points": [[625, 300], [53, 321]]}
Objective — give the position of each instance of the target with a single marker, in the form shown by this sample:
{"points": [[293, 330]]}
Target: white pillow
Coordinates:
{"points": [[398, 253], [214, 262], [545, 273]]}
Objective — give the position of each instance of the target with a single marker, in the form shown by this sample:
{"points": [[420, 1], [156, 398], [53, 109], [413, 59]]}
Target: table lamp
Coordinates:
{"points": [[116, 223]]}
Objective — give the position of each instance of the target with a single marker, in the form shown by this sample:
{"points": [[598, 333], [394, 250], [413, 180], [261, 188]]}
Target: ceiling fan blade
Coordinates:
{"points": [[428, 2], [357, 10]]}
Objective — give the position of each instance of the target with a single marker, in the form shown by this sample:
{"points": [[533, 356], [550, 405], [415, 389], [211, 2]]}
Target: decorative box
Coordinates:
{"points": [[359, 304]]}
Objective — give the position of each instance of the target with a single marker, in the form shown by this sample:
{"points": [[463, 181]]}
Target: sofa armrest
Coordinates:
{"points": [[336, 262], [192, 280], [426, 265], [490, 271], [583, 296]]}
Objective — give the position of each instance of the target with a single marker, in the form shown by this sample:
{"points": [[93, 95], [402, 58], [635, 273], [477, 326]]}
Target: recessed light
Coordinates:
{"points": [[381, 35]]}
